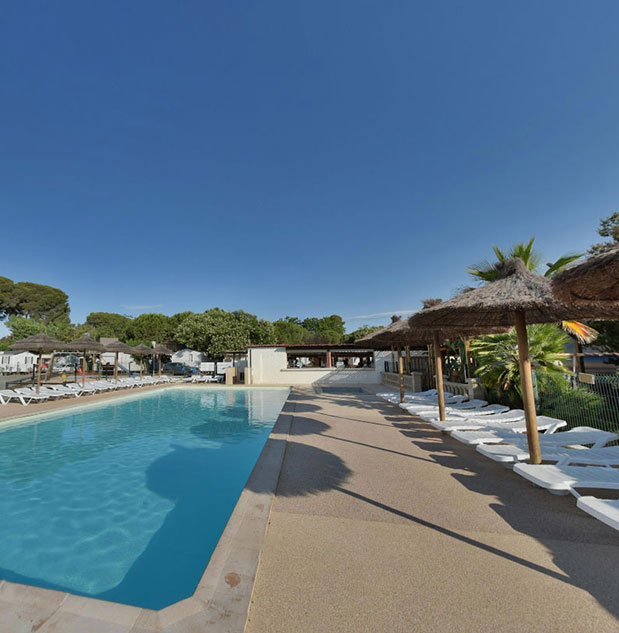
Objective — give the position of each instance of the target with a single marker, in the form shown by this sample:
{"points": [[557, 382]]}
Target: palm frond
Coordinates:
{"points": [[484, 270], [581, 332], [560, 264]]}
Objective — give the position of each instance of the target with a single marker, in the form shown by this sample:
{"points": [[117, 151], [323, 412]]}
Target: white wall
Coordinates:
{"points": [[269, 367], [124, 360], [188, 357], [15, 363]]}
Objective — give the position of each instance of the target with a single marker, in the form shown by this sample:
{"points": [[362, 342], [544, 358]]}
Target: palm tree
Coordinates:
{"points": [[497, 356], [487, 271]]}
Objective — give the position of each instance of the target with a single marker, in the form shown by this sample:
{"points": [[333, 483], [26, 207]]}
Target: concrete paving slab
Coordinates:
{"points": [[381, 523]]}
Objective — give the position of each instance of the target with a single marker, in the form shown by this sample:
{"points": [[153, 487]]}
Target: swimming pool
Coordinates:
{"points": [[126, 500]]}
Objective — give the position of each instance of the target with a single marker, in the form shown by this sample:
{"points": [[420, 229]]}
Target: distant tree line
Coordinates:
{"points": [[30, 308]]}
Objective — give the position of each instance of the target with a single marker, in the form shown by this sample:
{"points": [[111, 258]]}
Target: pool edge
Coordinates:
{"points": [[222, 598]]}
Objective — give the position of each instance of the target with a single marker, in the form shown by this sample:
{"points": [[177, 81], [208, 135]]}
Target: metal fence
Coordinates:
{"points": [[581, 400]]}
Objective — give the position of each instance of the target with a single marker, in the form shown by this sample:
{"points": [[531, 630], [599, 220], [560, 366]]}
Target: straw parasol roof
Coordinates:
{"points": [[593, 281], [86, 344], [39, 343], [495, 304], [401, 333], [162, 350], [117, 346], [142, 349]]}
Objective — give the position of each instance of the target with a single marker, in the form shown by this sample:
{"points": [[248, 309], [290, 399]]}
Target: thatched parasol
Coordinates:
{"points": [[162, 350], [517, 297], [593, 281], [85, 344], [117, 347], [39, 343], [140, 350], [400, 333]]}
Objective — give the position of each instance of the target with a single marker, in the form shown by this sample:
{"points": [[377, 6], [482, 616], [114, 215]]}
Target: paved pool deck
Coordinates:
{"points": [[381, 523]]}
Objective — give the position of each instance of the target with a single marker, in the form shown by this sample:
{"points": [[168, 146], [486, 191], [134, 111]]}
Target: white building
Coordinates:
{"points": [[188, 357], [126, 362], [15, 362], [314, 364]]}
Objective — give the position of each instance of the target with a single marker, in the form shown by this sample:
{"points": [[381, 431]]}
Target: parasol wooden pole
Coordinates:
{"points": [[159, 359], [116, 368], [401, 372], [526, 384], [438, 367], [392, 359], [431, 363], [408, 359], [39, 372], [84, 365], [141, 365]]}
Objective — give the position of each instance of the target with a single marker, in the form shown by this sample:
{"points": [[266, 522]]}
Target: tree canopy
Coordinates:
{"points": [[328, 329], [609, 227], [43, 303], [151, 327], [108, 324], [214, 332], [364, 330]]}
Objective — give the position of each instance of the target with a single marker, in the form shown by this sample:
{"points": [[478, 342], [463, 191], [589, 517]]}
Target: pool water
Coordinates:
{"points": [[126, 501]]}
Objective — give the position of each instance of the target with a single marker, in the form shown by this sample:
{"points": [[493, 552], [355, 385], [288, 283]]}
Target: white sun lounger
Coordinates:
{"points": [[474, 423], [492, 411], [555, 446], [65, 391], [31, 394], [429, 404], [6, 395], [497, 432], [605, 510], [455, 407], [564, 477], [394, 396], [417, 394]]}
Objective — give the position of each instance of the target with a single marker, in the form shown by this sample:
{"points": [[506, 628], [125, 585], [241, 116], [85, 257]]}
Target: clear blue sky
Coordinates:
{"points": [[298, 158]]}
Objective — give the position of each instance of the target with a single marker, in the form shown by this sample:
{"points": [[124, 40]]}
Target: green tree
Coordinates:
{"points": [[179, 317], [497, 356], [609, 227], [364, 330], [7, 297], [261, 332], [36, 301], [108, 324], [214, 332], [289, 331], [22, 327], [151, 327], [328, 329]]}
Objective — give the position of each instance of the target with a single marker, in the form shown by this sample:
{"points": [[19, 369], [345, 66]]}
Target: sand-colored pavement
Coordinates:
{"points": [[381, 523]]}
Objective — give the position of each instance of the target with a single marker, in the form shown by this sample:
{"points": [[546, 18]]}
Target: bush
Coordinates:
{"points": [[575, 405]]}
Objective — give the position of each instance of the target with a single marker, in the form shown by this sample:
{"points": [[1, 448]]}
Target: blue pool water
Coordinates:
{"points": [[126, 501]]}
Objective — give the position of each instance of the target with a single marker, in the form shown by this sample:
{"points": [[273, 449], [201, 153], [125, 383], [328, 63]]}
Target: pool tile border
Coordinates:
{"points": [[223, 595]]}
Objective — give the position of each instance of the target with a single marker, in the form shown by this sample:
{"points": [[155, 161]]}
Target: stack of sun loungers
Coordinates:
{"points": [[577, 459], [26, 395]]}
